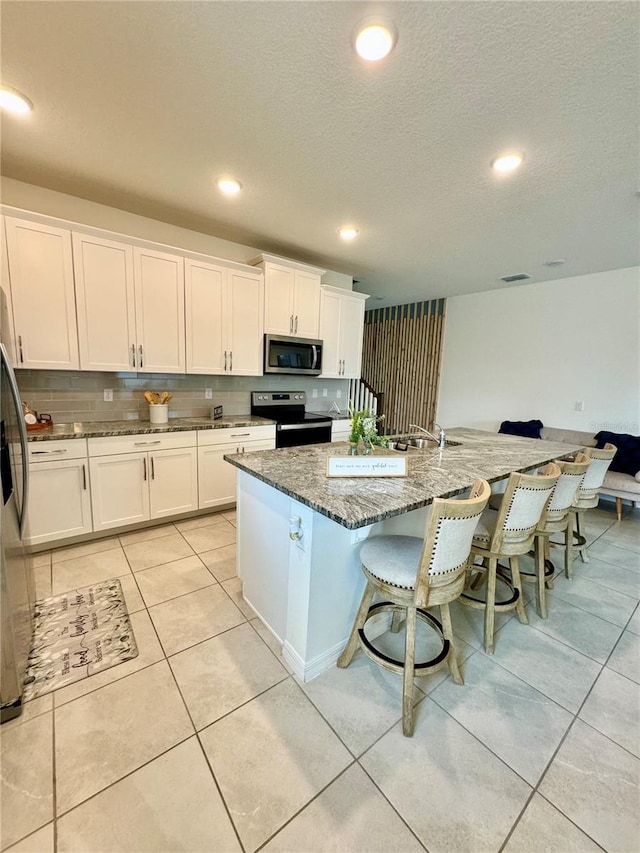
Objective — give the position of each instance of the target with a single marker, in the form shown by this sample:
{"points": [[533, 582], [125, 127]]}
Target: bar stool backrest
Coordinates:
{"points": [[447, 540], [523, 509], [570, 480], [594, 477]]}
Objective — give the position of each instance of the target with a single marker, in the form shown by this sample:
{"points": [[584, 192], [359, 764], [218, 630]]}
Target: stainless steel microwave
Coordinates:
{"points": [[292, 355]]}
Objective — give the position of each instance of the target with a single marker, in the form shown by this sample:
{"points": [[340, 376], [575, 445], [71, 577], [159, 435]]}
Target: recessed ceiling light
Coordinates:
{"points": [[374, 39], [508, 162], [348, 233], [14, 101], [229, 186]]}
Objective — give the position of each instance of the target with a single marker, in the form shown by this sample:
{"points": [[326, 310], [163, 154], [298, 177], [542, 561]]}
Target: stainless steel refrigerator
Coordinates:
{"points": [[17, 586]]}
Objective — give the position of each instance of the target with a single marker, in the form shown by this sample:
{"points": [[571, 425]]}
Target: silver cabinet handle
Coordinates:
{"points": [[146, 443], [84, 477], [295, 331], [230, 360], [141, 360], [144, 468], [20, 349], [45, 452], [133, 355], [153, 470], [225, 359], [291, 324], [239, 434]]}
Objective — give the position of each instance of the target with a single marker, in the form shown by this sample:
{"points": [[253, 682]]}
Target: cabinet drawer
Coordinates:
{"points": [[236, 435], [46, 451], [142, 441]]}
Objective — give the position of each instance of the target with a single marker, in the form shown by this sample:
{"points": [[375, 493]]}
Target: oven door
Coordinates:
{"points": [[292, 355], [294, 435]]}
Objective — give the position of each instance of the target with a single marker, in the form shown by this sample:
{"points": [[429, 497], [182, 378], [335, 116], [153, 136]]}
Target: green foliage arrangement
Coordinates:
{"points": [[364, 425]]}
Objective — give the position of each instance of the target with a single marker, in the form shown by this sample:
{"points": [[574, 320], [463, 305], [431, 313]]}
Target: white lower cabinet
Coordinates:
{"points": [[340, 430], [141, 484], [217, 478], [59, 496]]}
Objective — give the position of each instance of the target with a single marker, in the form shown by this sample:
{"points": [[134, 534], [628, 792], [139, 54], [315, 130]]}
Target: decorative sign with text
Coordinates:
{"points": [[366, 466]]}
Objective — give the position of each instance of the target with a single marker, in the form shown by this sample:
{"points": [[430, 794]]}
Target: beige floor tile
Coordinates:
{"points": [[173, 579], [624, 534], [211, 537], [149, 652], [515, 721], [221, 562], [106, 734], [451, 790], [613, 707], [147, 534], [270, 758], [625, 658], [192, 618], [543, 828], [584, 593], [42, 581], [172, 803], [468, 624], [233, 588], [267, 637], [31, 709], [556, 670], [132, 597], [239, 665], [350, 815], [84, 548], [594, 782], [360, 702], [575, 627], [26, 792], [156, 552], [634, 622], [232, 517], [608, 552], [83, 571], [200, 521], [41, 559], [40, 842], [610, 575]]}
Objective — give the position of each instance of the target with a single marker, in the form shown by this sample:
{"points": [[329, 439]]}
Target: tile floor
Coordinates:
{"points": [[205, 741]]}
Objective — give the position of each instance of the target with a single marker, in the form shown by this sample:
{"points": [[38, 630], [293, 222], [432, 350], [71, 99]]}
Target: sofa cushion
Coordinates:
{"points": [[527, 429], [627, 458]]}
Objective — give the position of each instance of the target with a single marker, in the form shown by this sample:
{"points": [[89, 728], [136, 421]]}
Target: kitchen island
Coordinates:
{"points": [[299, 531]]}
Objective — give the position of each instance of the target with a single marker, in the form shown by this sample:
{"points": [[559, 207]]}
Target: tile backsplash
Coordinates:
{"points": [[70, 396]]}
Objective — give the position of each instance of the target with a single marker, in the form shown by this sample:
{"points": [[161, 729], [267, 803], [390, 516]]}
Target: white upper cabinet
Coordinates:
{"points": [[42, 292], [8, 338], [224, 309], [106, 303], [291, 297], [130, 307], [159, 289], [341, 330]]}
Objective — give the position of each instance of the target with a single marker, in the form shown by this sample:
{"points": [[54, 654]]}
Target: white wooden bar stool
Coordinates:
{"points": [[587, 497], [412, 574], [508, 531]]}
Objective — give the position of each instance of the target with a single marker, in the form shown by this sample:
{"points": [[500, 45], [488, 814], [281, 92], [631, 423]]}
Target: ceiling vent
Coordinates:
{"points": [[519, 276]]}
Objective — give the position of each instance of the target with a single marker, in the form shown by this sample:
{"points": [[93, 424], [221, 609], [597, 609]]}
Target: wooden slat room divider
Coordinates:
{"points": [[401, 356]]}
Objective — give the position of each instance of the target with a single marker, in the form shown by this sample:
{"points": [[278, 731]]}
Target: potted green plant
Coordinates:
{"points": [[364, 425]]}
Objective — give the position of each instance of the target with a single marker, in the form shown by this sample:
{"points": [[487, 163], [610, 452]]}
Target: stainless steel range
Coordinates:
{"points": [[294, 425]]}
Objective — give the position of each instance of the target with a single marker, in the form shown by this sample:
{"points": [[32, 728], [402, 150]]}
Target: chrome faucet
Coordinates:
{"points": [[441, 439]]}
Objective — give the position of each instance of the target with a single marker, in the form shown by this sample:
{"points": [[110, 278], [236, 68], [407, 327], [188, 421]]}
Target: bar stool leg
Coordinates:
{"points": [[584, 553], [568, 547], [354, 641], [447, 630], [547, 556], [489, 608], [517, 583], [409, 671], [541, 598]]}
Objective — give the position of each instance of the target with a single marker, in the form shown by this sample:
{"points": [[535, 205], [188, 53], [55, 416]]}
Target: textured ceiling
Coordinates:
{"points": [[140, 105]]}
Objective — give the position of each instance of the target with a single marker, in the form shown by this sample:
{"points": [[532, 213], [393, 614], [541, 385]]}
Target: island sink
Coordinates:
{"points": [[419, 442]]}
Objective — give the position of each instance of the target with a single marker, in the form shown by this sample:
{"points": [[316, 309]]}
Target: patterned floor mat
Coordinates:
{"points": [[76, 635]]}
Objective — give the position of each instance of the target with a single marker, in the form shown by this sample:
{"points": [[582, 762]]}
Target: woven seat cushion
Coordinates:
{"points": [[393, 559]]}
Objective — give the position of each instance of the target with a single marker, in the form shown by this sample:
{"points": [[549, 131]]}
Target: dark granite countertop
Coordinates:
{"points": [[94, 429], [301, 473]]}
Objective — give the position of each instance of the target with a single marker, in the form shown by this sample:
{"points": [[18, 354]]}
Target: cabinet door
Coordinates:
{"points": [[173, 483], [216, 478], [351, 330], [44, 311], [330, 304], [245, 318], [105, 303], [205, 304], [59, 500], [307, 305], [119, 489], [159, 287], [279, 285]]}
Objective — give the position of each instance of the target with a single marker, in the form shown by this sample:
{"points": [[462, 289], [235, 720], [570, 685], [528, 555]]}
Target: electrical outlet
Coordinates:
{"points": [[325, 393], [338, 393], [579, 406], [108, 395], [314, 393], [208, 393]]}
